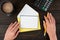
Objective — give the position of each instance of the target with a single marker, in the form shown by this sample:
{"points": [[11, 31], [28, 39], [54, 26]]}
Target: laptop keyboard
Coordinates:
{"points": [[42, 4]]}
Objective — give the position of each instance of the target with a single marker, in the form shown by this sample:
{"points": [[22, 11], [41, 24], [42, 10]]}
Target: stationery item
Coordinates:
{"points": [[45, 31], [28, 19], [29, 22]]}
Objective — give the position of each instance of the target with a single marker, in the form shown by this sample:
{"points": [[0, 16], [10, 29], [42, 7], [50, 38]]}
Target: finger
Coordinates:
{"points": [[13, 25], [16, 27], [52, 18], [49, 18], [16, 34], [10, 26], [46, 19]]}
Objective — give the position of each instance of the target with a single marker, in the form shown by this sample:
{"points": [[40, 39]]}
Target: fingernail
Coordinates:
{"points": [[50, 13], [44, 16], [43, 21], [15, 21], [47, 12]]}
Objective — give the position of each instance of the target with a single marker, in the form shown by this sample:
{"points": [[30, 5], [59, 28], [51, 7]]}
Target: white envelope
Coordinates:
{"points": [[28, 19]]}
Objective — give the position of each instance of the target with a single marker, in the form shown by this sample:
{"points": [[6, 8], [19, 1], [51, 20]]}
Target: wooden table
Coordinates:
{"points": [[34, 35]]}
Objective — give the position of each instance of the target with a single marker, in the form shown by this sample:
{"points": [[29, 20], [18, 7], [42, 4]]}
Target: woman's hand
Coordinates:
{"points": [[12, 31], [50, 26]]}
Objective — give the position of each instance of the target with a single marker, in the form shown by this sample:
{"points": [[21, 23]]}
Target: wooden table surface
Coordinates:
{"points": [[33, 35]]}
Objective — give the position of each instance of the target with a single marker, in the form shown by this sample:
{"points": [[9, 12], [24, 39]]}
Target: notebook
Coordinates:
{"points": [[28, 19]]}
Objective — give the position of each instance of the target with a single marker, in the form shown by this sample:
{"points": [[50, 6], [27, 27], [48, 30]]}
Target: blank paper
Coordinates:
{"points": [[29, 22]]}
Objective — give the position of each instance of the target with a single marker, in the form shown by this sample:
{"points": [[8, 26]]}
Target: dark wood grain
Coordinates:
{"points": [[34, 35]]}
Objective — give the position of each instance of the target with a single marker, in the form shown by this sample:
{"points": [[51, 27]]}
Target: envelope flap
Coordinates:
{"points": [[27, 10]]}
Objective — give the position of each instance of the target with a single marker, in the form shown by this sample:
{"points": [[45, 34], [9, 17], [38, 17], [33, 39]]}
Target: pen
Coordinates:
{"points": [[44, 32]]}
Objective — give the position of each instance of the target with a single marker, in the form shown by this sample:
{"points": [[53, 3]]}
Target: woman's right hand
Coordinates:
{"points": [[50, 26]]}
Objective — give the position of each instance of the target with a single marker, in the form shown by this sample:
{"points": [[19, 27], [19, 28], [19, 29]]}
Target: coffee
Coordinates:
{"points": [[7, 7]]}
